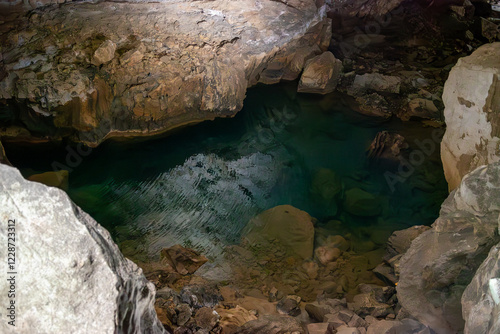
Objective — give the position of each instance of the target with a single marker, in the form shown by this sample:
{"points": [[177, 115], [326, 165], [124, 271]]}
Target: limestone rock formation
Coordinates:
{"points": [[71, 277], [91, 71], [321, 74], [293, 228], [442, 261], [481, 298], [472, 113]]}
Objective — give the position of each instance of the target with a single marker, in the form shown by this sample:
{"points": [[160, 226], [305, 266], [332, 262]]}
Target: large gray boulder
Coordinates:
{"points": [[472, 113], [442, 261], [481, 298], [70, 276]]}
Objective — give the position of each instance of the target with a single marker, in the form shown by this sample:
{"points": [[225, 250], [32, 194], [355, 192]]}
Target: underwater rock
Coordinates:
{"points": [[57, 179], [442, 261], [72, 276], [373, 105], [387, 145], [321, 74], [272, 324], [109, 69], [327, 189], [233, 318], [183, 260], [293, 228], [361, 203], [472, 113]]}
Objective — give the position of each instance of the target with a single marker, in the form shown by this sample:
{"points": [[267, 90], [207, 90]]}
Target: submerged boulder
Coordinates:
{"points": [[472, 113], [57, 179], [361, 203], [71, 276], [442, 261], [183, 260], [291, 227]]}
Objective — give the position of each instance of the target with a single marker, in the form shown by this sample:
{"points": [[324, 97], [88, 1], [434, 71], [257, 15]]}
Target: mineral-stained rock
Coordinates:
{"points": [[472, 113], [292, 227], [481, 298], [139, 68], [321, 74], [183, 260], [271, 324], [442, 261], [71, 276]]}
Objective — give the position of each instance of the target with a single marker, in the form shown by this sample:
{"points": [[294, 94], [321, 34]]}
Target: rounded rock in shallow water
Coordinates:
{"points": [[361, 203], [291, 227]]}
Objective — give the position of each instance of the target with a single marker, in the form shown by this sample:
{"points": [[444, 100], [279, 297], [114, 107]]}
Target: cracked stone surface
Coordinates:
{"points": [[71, 276]]}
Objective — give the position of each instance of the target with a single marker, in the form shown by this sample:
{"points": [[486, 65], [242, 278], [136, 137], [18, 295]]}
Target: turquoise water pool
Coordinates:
{"points": [[200, 186]]}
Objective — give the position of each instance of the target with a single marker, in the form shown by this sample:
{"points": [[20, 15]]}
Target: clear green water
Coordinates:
{"points": [[200, 186]]}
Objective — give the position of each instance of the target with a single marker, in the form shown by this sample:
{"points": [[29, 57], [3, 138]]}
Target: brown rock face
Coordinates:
{"points": [[321, 74], [98, 70], [472, 113], [292, 227]]}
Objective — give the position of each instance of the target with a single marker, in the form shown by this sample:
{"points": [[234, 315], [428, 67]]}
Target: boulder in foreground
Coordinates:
{"points": [[71, 276]]}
